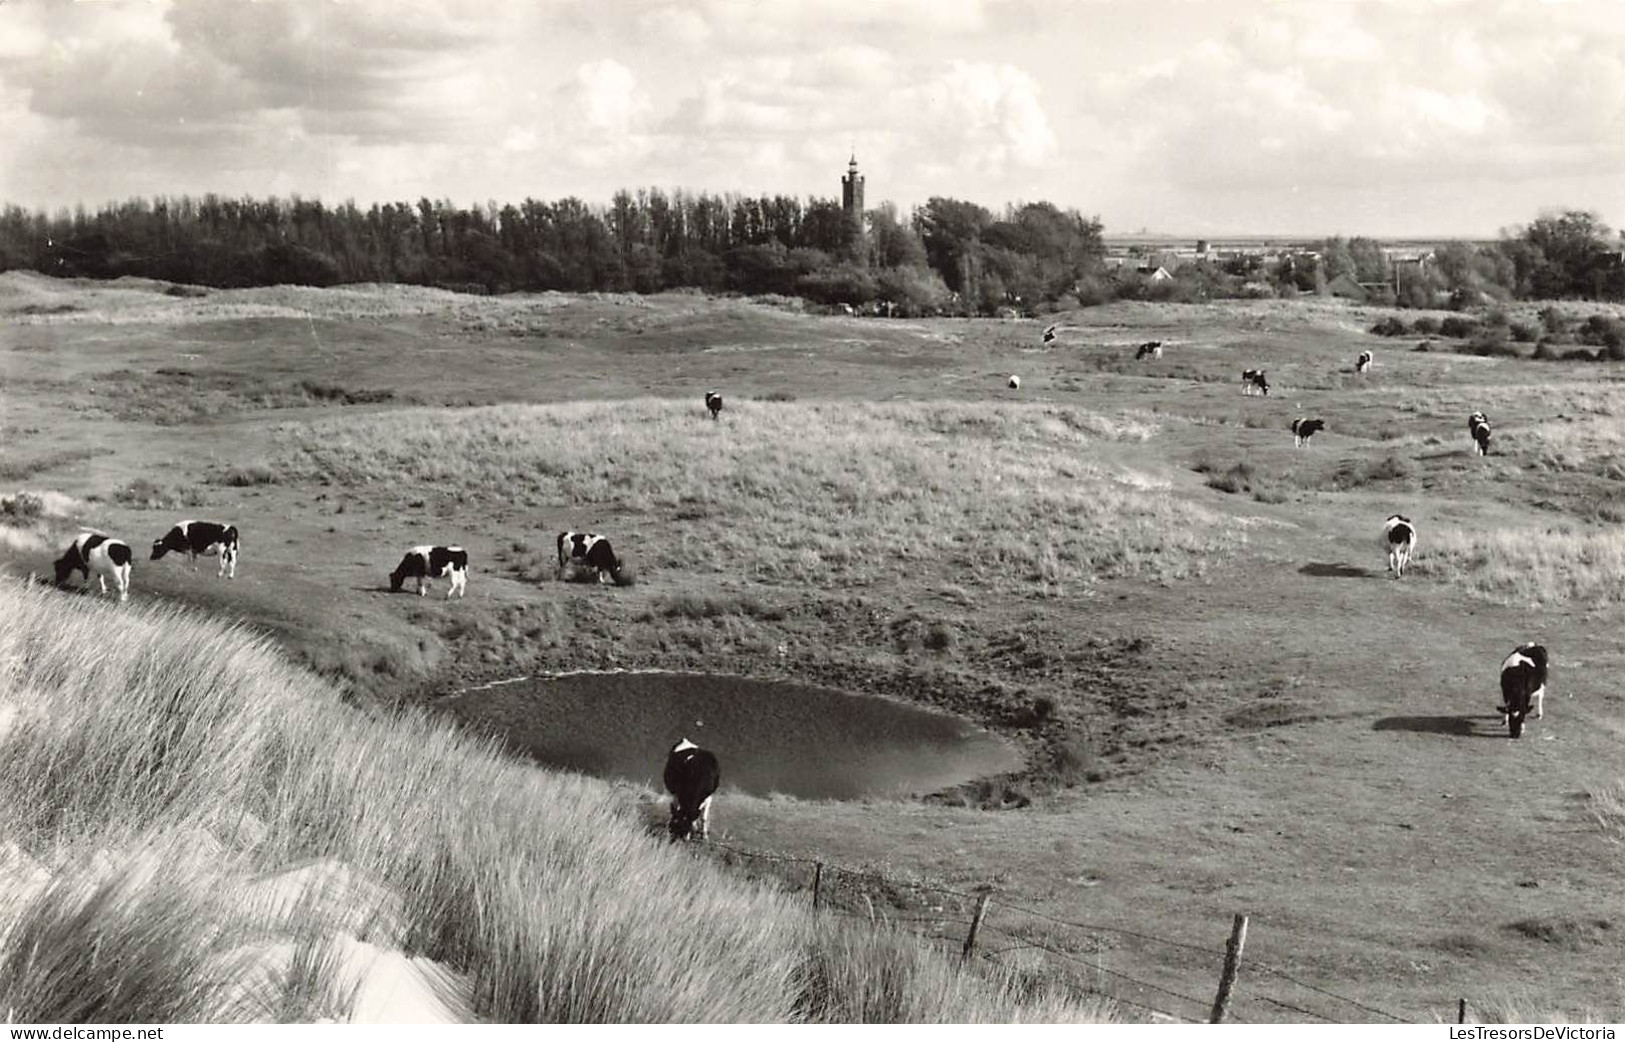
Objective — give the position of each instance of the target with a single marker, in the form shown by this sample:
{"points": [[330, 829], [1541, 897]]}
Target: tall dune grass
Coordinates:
{"points": [[832, 492], [1531, 566], [164, 767]]}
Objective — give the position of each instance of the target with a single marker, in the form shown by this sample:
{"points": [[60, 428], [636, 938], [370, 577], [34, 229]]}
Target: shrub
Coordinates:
{"points": [[242, 477], [1239, 478], [1427, 325], [1544, 352], [24, 506], [1458, 327], [1426, 345], [1393, 325], [1555, 322], [1525, 332]]}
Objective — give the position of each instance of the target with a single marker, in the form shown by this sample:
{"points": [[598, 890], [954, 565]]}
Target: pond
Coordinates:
{"points": [[770, 736]]}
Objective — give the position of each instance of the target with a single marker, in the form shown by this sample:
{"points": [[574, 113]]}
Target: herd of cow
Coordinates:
{"points": [[691, 774]]}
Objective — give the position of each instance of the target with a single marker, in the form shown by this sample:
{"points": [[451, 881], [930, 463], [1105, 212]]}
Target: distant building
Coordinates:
{"points": [[852, 209]]}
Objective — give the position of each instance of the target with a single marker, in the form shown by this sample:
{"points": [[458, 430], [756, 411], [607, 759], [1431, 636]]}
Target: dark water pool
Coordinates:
{"points": [[770, 736]]}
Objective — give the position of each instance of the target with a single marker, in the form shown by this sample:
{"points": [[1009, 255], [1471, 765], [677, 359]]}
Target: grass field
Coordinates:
{"points": [[1125, 568]]}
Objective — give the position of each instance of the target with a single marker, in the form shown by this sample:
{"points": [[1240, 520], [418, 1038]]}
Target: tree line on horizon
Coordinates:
{"points": [[948, 256]]}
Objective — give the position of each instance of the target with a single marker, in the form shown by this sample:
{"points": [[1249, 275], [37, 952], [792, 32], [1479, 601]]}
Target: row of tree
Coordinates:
{"points": [[949, 255]]}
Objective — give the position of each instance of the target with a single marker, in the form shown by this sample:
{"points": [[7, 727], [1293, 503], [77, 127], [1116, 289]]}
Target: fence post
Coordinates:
{"points": [[1232, 959], [818, 882], [975, 925], [1461, 1011]]}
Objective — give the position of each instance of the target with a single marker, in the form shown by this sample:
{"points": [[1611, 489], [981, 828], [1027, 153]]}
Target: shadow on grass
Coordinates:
{"points": [[1336, 571], [1460, 726]]}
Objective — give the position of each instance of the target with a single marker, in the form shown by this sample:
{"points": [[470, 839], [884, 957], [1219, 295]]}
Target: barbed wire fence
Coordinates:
{"points": [[1089, 957]]}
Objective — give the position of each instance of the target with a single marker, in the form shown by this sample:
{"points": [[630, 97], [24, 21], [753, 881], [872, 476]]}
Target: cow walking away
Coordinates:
{"points": [[587, 550], [1362, 363], [424, 563], [92, 552], [1478, 425], [713, 401], [206, 538], [1399, 539], [1255, 380], [691, 776], [1523, 682]]}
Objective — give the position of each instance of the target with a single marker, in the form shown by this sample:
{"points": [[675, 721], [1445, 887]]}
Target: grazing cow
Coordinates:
{"points": [[713, 401], [1015, 382], [1399, 539], [201, 537], [1362, 363], [92, 552], [1523, 680], [1254, 380], [1479, 427], [691, 777], [591, 551], [1150, 347], [1049, 335], [432, 562], [1303, 430]]}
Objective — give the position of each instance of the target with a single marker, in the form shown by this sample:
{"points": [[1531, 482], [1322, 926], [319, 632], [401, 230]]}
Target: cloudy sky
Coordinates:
{"points": [[1221, 117]]}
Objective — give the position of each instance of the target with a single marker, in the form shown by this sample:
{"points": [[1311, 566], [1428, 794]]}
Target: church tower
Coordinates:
{"points": [[852, 208]]}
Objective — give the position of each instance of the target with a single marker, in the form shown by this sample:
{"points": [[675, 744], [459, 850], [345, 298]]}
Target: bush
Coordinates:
{"points": [[1426, 345], [1239, 478], [1393, 325], [1525, 332], [1555, 322], [1544, 352], [243, 477], [1458, 327], [1427, 325]]}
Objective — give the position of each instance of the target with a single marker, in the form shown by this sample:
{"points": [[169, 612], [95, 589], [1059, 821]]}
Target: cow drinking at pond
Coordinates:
{"points": [[207, 538], [691, 777], [587, 550], [92, 552], [1399, 538], [424, 563], [1523, 681]]}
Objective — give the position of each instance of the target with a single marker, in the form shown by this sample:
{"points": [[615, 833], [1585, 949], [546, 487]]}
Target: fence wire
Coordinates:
{"points": [[828, 877]]}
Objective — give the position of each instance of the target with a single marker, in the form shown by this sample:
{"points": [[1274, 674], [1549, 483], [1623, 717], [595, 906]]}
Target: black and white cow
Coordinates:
{"points": [[1362, 363], [93, 552], [713, 401], [1399, 539], [1151, 348], [1523, 680], [584, 549], [691, 777], [1254, 380], [201, 537], [1478, 425], [1049, 335], [424, 563], [1015, 382], [1303, 430]]}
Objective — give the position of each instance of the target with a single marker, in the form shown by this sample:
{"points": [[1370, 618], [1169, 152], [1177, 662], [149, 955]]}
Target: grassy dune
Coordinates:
{"points": [[819, 493], [155, 766]]}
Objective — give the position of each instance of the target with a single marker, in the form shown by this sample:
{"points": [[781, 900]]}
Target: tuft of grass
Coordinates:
{"points": [[144, 494], [1608, 808], [21, 468], [1531, 566], [246, 476]]}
